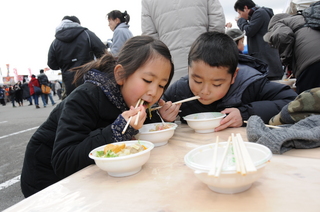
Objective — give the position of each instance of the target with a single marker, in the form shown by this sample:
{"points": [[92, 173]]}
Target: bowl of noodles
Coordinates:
{"points": [[122, 159], [157, 133]]}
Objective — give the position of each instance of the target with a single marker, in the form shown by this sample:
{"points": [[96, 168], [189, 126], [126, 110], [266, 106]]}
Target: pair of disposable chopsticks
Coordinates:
{"points": [[267, 125], [181, 101], [215, 171], [140, 102], [244, 163]]}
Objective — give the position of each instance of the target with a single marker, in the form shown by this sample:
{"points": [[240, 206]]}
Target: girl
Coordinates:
{"points": [[96, 112], [118, 23]]}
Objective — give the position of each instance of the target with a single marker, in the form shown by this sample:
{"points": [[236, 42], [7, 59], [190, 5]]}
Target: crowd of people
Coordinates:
{"points": [[183, 52], [23, 91]]}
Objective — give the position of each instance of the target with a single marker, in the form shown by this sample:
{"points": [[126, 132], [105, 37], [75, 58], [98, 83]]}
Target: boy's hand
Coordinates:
{"points": [[169, 111], [134, 113], [233, 119]]}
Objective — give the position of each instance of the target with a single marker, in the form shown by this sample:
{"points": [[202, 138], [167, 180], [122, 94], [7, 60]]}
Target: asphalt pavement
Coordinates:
{"points": [[17, 125]]}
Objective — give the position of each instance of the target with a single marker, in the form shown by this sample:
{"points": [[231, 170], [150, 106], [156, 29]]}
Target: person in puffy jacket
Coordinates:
{"points": [[179, 23], [74, 46], [118, 23], [298, 48], [227, 82]]}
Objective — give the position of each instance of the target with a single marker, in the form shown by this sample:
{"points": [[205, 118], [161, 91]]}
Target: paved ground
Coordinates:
{"points": [[16, 127]]}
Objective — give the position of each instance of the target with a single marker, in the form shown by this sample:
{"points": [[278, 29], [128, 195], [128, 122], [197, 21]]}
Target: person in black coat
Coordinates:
{"points": [[96, 112], [74, 46], [226, 82]]}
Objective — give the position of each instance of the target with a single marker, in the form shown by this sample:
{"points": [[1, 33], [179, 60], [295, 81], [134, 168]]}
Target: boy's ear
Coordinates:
{"points": [[118, 72], [234, 75]]}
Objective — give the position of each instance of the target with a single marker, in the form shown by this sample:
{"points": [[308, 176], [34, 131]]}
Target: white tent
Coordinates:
{"points": [[54, 75]]}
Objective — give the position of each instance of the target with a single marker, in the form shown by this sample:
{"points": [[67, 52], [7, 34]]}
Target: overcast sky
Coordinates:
{"points": [[28, 27]]}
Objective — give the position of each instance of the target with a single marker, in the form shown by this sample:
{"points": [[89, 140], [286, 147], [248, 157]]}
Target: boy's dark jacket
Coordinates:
{"points": [[251, 93]]}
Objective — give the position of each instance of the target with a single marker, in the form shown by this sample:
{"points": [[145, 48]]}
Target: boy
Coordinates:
{"points": [[226, 82]]}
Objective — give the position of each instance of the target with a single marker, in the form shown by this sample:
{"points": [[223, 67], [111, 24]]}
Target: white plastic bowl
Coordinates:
{"points": [[125, 165], [159, 137], [229, 181], [204, 122]]}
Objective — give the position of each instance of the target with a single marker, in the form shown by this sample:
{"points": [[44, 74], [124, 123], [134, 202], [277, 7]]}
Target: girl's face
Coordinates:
{"points": [[146, 83], [113, 23], [241, 44], [210, 83]]}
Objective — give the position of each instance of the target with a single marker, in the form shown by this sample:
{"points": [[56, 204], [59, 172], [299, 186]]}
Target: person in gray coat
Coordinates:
{"points": [[299, 50], [179, 23], [254, 21], [118, 23]]}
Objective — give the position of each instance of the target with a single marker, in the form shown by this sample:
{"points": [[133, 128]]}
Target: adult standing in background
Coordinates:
{"points": [[254, 21], [298, 47], [43, 80], [57, 87], [26, 92], [178, 23], [74, 46], [34, 82], [118, 23]]}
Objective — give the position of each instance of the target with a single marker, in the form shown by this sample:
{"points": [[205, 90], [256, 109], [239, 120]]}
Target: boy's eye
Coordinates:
{"points": [[147, 81]]}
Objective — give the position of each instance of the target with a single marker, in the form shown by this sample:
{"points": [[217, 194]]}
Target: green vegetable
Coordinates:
{"points": [[109, 154]]}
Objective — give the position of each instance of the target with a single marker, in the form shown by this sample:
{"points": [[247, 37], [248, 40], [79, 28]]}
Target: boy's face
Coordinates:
{"points": [[241, 44], [210, 83]]}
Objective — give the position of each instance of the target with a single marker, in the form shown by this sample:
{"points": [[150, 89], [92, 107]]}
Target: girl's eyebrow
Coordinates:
{"points": [[153, 75]]}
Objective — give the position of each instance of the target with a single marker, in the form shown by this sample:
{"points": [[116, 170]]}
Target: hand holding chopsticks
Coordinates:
{"points": [[140, 102], [181, 101]]}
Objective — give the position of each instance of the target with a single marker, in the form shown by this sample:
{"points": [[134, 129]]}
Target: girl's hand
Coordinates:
{"points": [[233, 119], [134, 113], [169, 111]]}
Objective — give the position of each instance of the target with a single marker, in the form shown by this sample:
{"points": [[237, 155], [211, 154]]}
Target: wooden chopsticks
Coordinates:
{"points": [[267, 125], [128, 122], [181, 101], [243, 161]]}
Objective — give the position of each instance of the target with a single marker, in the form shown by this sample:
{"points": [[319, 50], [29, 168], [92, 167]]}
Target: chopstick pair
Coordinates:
{"points": [[243, 160], [215, 171], [140, 102], [181, 101], [267, 125]]}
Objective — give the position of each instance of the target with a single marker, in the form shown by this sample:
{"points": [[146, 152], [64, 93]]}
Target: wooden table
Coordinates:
{"points": [[291, 182]]}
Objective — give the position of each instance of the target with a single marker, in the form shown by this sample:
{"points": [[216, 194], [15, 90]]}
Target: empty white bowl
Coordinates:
{"points": [[123, 166], [229, 181], [204, 122], [159, 137]]}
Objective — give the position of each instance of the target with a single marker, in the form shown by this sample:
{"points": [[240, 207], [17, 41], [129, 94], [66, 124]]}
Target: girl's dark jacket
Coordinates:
{"points": [[252, 93], [86, 119]]}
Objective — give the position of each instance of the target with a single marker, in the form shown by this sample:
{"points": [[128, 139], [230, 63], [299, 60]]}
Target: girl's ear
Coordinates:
{"points": [[118, 72], [234, 75]]}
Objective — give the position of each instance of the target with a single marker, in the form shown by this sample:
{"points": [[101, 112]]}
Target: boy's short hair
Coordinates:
{"points": [[215, 49]]}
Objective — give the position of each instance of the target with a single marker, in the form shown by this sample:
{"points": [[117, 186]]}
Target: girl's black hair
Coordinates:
{"points": [[240, 4], [215, 49], [134, 54], [123, 17]]}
